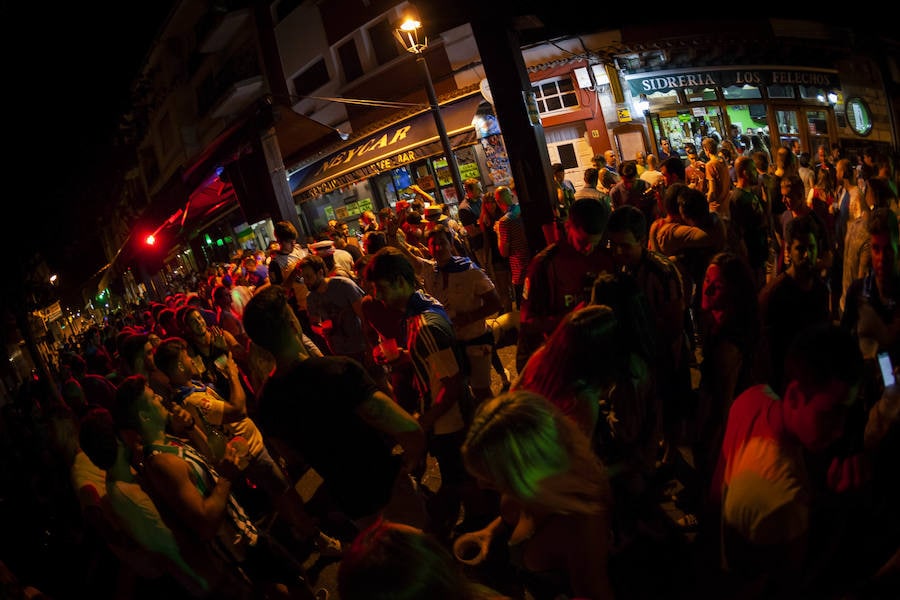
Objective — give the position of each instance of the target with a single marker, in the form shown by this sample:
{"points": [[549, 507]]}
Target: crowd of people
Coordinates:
{"points": [[711, 312]]}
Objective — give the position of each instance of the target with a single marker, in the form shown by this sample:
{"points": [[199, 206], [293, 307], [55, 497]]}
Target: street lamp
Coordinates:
{"points": [[408, 36]]}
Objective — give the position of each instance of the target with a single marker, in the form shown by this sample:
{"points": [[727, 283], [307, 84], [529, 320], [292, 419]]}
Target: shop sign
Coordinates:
{"points": [[469, 171], [663, 81], [858, 116], [379, 166], [389, 138]]}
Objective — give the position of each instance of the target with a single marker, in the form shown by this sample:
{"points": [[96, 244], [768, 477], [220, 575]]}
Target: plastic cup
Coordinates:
{"points": [[242, 447], [468, 550]]}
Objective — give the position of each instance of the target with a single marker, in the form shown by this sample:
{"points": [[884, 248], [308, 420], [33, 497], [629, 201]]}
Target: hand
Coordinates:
{"points": [[231, 467], [181, 420], [848, 473]]}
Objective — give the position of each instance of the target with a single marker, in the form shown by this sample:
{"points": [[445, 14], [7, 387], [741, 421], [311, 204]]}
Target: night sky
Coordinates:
{"points": [[69, 67]]}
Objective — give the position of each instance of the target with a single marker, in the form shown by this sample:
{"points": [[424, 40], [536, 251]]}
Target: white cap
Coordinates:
{"points": [[324, 247]]}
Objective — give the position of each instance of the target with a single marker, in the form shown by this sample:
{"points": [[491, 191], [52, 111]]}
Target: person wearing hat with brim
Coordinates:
{"points": [[338, 262]]}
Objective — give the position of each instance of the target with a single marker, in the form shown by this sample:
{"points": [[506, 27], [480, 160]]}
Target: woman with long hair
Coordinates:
{"points": [[577, 366], [556, 500], [730, 323]]}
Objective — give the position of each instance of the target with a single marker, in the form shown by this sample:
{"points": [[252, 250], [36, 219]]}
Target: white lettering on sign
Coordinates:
{"points": [[748, 77], [676, 81], [800, 77], [388, 139]]}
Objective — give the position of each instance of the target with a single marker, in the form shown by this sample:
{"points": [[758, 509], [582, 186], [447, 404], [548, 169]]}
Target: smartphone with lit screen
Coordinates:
{"points": [[887, 368]]}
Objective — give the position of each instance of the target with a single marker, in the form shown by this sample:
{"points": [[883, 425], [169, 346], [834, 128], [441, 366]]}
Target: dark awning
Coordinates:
{"points": [[299, 136], [392, 146]]}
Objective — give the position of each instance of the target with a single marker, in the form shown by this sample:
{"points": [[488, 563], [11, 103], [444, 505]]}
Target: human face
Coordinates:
{"points": [[714, 297], [153, 410], [311, 278], [611, 159], [394, 294], [820, 416], [440, 247], [625, 248], [884, 255], [185, 370], [582, 241], [804, 253], [195, 323], [792, 202]]}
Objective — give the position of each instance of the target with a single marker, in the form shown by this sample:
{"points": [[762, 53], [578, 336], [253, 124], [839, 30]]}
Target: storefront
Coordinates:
{"points": [[379, 169], [779, 104]]}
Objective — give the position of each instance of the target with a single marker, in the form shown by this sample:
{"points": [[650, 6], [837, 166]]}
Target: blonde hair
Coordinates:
{"points": [[529, 450]]}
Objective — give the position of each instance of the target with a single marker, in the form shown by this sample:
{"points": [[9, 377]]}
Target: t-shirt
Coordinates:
{"points": [[469, 211], [311, 411], [335, 304], [432, 346], [459, 287], [760, 478], [559, 278], [204, 402]]}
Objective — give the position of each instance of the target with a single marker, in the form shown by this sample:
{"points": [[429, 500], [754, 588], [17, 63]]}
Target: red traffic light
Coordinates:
{"points": [[151, 240]]}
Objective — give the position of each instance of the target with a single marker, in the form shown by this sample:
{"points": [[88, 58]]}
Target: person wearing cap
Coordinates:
{"points": [[435, 215], [338, 262]]}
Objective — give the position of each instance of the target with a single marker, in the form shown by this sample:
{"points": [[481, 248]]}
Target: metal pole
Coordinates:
{"points": [[442, 131]]}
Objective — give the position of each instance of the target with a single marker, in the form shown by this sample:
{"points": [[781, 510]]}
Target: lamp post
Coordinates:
{"points": [[408, 36]]}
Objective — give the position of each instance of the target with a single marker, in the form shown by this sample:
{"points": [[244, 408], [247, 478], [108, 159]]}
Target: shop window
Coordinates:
{"points": [[383, 42], [740, 92], [311, 79], [818, 122], [706, 94], [554, 95], [350, 61], [780, 91], [808, 92]]}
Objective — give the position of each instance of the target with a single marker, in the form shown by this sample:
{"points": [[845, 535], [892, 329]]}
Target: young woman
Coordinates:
{"points": [[556, 498]]}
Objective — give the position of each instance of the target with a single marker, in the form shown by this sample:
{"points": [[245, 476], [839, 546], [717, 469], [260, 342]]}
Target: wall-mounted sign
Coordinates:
{"points": [[663, 81], [623, 115], [858, 116]]}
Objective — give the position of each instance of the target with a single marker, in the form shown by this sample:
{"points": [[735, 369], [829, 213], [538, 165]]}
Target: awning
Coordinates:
{"points": [[393, 146], [299, 136]]}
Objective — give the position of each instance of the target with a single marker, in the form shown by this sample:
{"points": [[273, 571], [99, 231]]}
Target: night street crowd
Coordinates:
{"points": [[719, 317]]}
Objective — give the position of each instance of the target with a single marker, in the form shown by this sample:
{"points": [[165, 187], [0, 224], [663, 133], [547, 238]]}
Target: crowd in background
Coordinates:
{"points": [[728, 309]]}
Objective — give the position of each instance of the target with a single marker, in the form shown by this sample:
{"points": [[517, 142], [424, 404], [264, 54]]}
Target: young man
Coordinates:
{"points": [[762, 480], [445, 402], [794, 299], [469, 212], [469, 297], [662, 285], [329, 412], [565, 191], [562, 276], [334, 305]]}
